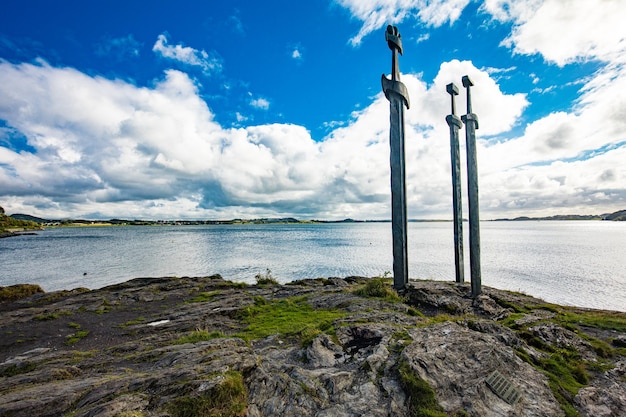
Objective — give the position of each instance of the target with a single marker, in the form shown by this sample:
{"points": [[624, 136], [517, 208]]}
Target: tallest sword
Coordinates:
{"points": [[398, 97]]}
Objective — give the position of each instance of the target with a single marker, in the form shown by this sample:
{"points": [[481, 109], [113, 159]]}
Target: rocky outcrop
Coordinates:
{"points": [[205, 346]]}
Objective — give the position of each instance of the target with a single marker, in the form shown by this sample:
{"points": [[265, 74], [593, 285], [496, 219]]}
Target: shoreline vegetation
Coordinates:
{"points": [[20, 222], [196, 346]]}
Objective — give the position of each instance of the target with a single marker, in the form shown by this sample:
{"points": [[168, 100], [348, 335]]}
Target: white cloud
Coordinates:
{"points": [[260, 103], [377, 13], [109, 148], [187, 55], [564, 31]]}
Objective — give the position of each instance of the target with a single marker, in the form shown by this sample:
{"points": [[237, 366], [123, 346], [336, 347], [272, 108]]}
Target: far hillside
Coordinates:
{"points": [[8, 224], [618, 216]]}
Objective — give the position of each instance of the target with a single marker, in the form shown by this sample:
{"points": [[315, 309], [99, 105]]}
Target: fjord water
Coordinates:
{"points": [[580, 263]]}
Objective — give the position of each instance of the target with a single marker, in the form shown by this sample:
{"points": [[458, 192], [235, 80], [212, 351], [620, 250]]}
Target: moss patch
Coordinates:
{"points": [[198, 336], [204, 297], [378, 288], [228, 399], [17, 369], [565, 369], [289, 317], [19, 291], [76, 337], [421, 396]]}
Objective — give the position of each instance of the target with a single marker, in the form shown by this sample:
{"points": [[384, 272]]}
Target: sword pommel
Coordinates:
{"points": [[393, 38]]}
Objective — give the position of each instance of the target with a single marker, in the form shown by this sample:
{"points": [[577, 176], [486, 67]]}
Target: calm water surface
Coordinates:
{"points": [[577, 263]]}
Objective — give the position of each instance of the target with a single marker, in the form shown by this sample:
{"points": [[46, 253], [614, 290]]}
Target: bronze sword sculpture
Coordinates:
{"points": [[471, 124], [455, 124], [398, 97]]}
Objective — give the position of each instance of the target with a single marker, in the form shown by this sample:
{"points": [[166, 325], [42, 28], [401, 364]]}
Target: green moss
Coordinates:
{"points": [[399, 340], [204, 297], [415, 312], [46, 317], [231, 284], [509, 304], [17, 369], [228, 399], [565, 369], [602, 349], [441, 318], [19, 291], [198, 336], [608, 320], [378, 288], [289, 317], [510, 320], [52, 316], [76, 337], [535, 341], [138, 320], [421, 396]]}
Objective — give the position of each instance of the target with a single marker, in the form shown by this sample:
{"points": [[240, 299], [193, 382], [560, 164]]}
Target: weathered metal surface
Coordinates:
{"points": [[398, 97], [455, 124], [471, 124], [503, 388]]}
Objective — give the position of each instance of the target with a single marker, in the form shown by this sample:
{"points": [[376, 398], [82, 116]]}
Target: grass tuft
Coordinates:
{"points": [[266, 279], [17, 369], [228, 399], [76, 337], [18, 291], [204, 297], [288, 317], [421, 396], [378, 288]]}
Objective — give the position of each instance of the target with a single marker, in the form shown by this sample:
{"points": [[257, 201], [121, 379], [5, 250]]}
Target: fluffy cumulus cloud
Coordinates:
{"points": [[93, 146], [564, 162], [564, 31], [109, 147], [187, 55], [377, 13]]}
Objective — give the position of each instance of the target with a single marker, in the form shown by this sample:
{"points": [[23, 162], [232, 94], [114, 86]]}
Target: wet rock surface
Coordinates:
{"points": [[150, 346]]}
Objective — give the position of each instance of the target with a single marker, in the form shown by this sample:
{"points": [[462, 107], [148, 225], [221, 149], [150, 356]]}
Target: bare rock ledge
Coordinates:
{"points": [[206, 346]]}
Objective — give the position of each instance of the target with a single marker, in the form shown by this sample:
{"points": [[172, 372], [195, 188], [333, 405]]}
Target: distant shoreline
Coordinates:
{"points": [[616, 216]]}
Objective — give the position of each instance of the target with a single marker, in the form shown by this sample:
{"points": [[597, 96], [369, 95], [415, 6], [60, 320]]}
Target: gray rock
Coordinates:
{"points": [[606, 396], [455, 361], [133, 360]]}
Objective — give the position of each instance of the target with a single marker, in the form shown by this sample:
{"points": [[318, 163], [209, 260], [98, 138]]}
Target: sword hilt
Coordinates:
{"points": [[453, 90], [393, 38], [467, 83], [394, 41]]}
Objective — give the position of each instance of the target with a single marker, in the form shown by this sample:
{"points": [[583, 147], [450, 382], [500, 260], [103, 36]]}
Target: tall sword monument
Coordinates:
{"points": [[455, 124], [471, 124], [398, 97]]}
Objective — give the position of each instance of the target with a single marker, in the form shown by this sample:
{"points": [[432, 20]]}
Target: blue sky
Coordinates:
{"points": [[198, 110]]}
